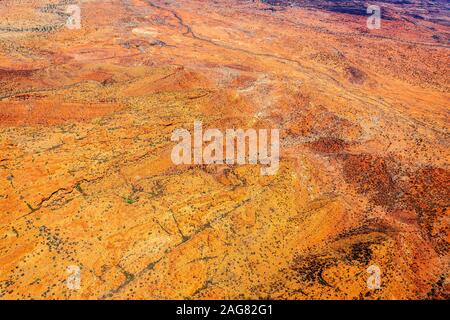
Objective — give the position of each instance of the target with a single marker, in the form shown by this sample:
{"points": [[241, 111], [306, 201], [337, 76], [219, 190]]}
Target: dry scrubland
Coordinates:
{"points": [[86, 177]]}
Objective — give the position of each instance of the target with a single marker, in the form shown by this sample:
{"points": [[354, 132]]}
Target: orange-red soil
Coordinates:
{"points": [[86, 177]]}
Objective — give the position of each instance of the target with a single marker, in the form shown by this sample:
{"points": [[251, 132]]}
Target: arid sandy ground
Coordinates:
{"points": [[86, 177]]}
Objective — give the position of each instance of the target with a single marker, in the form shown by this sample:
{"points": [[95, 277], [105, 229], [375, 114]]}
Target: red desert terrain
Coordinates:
{"points": [[87, 181]]}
